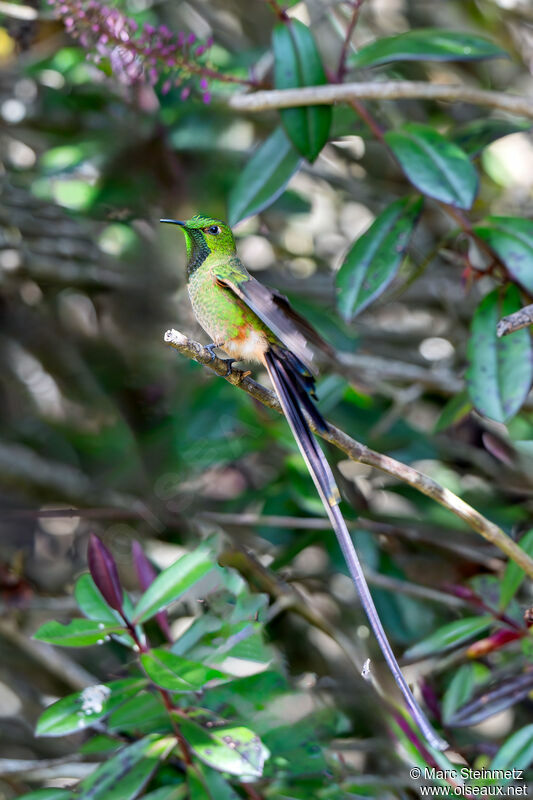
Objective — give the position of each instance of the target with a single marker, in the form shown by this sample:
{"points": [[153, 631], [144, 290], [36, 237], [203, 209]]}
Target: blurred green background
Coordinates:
{"points": [[98, 414]]}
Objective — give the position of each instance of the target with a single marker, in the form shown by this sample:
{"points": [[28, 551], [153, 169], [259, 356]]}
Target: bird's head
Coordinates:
{"points": [[205, 236]]}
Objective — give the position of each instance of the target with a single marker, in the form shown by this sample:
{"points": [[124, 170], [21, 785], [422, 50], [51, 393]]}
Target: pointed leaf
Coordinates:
{"points": [[478, 134], [78, 633], [48, 794], [92, 603], [104, 572], [511, 238], [264, 178], [511, 690], [232, 749], [436, 166], [455, 410], [375, 257], [514, 575], [459, 691], [451, 635], [124, 776], [427, 44], [516, 752], [501, 370], [147, 575], [83, 709], [177, 674], [173, 582], [297, 63]]}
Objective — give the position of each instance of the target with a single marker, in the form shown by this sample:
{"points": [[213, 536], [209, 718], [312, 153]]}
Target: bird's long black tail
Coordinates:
{"points": [[294, 385]]}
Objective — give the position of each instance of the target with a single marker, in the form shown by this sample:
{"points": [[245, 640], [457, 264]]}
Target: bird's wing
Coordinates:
{"points": [[274, 310]]}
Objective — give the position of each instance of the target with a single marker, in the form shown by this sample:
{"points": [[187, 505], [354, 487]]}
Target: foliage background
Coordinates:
{"points": [[98, 414]]}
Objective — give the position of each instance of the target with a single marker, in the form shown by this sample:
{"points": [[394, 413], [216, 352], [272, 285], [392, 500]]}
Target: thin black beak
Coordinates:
{"points": [[173, 222]]}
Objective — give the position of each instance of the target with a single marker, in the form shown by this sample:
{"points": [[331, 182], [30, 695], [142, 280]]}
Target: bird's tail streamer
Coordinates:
{"points": [[293, 385]]}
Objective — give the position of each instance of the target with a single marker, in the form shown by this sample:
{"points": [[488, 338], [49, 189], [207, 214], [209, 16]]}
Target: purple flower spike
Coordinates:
{"points": [[206, 97], [203, 83], [147, 574], [104, 572]]}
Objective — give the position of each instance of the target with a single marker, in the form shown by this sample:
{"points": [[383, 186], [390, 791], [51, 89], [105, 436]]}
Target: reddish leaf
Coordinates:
{"points": [[104, 572]]}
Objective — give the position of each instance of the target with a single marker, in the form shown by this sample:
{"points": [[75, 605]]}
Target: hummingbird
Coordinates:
{"points": [[256, 324]]}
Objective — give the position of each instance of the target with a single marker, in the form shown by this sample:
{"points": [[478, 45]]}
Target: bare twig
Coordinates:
{"points": [[513, 322], [360, 453], [341, 69], [442, 539], [386, 90], [48, 658]]}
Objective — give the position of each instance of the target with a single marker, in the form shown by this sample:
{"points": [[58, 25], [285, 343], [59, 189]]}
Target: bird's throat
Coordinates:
{"points": [[197, 250]]}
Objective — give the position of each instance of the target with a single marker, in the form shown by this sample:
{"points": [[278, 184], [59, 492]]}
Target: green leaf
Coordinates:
{"points": [[144, 713], [501, 370], [455, 409], [48, 794], [264, 178], [436, 166], [375, 257], [297, 63], [78, 633], [514, 575], [511, 238], [516, 752], [459, 691], [173, 582], [427, 44], [168, 792], [451, 635], [176, 673], [124, 776], [83, 709], [232, 749], [244, 651], [478, 134], [92, 603]]}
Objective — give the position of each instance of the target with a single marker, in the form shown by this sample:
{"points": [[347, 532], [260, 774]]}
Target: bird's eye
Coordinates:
{"points": [[214, 229]]}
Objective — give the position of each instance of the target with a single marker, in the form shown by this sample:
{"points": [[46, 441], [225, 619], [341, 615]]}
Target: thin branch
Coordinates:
{"points": [[513, 322], [386, 90], [362, 454], [442, 538], [341, 69]]}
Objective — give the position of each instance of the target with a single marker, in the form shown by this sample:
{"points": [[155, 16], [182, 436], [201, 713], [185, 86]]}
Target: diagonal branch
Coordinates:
{"points": [[362, 454], [522, 318], [385, 90]]}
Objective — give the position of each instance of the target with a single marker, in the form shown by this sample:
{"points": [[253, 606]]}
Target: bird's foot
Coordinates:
{"points": [[228, 362], [211, 349]]}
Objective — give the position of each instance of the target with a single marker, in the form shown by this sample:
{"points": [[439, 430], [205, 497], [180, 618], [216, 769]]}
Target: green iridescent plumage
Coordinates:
{"points": [[253, 323]]}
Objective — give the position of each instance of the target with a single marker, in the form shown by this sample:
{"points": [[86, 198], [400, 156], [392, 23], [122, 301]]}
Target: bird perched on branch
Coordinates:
{"points": [[252, 323]]}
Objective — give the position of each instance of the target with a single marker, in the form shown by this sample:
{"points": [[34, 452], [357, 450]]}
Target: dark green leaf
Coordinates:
{"points": [[83, 709], [168, 793], [514, 575], [78, 633], [48, 794], [173, 582], [144, 713], [504, 694], [501, 370], [375, 257], [478, 134], [459, 691], [511, 238], [232, 749], [455, 410], [451, 635], [436, 166], [176, 673], [427, 44], [297, 63], [124, 776], [516, 752], [264, 178]]}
